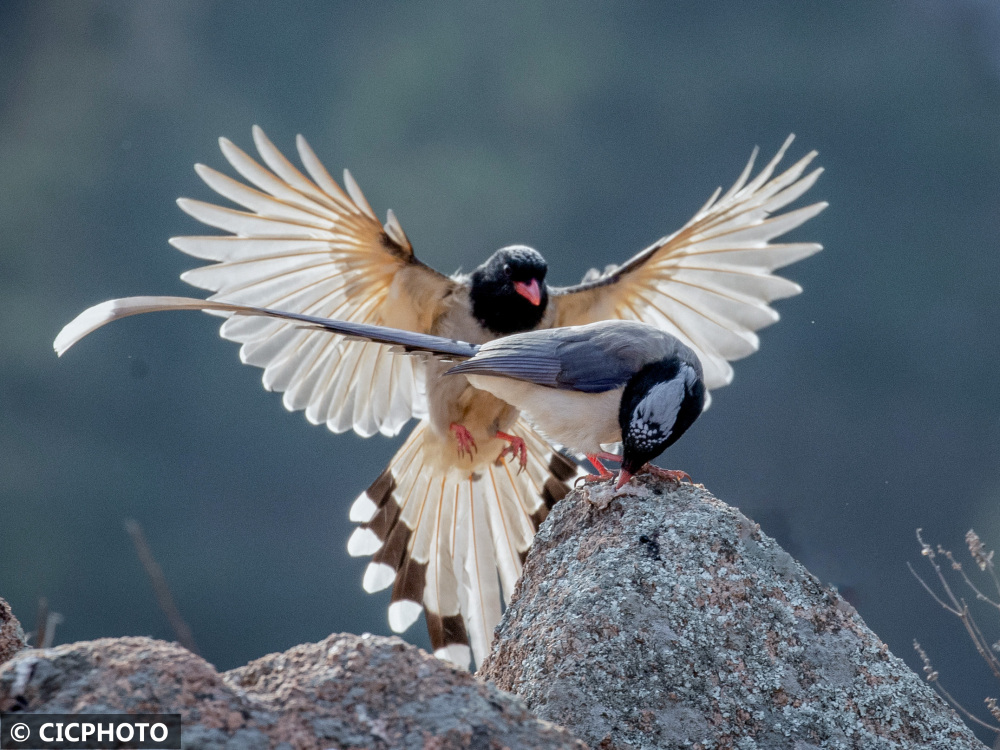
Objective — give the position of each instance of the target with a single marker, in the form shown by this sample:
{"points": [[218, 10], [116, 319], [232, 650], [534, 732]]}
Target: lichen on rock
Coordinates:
{"points": [[346, 691], [669, 620]]}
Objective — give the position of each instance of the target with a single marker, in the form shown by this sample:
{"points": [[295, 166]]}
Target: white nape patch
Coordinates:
{"points": [[378, 576], [458, 654], [402, 614], [363, 509], [363, 542], [653, 418]]}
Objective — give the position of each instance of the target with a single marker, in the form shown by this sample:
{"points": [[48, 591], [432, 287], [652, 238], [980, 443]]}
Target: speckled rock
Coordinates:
{"points": [[668, 620], [344, 692], [11, 634]]}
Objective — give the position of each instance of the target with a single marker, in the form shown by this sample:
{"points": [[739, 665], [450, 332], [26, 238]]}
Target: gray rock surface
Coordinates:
{"points": [[668, 620], [344, 692], [11, 634]]}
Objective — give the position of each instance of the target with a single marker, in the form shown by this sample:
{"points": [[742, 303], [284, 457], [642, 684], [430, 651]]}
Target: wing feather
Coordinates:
{"points": [[319, 173], [710, 282], [223, 248], [290, 177], [301, 243], [261, 203], [246, 224]]}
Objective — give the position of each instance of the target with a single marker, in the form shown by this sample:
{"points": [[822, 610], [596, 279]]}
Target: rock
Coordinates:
{"points": [[346, 692], [11, 634], [669, 620]]}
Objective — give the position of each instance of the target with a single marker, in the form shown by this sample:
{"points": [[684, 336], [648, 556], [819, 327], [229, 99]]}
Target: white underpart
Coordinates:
{"points": [[580, 421]]}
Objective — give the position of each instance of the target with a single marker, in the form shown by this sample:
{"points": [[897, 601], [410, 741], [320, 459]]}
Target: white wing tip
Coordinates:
{"points": [[457, 654], [86, 322], [378, 576], [403, 614], [363, 542]]}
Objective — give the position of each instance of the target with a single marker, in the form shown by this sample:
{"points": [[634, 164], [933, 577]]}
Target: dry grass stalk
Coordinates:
{"points": [[958, 606]]}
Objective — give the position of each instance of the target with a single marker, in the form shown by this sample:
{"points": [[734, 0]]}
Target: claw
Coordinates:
{"points": [[602, 471], [517, 449], [591, 478], [466, 443], [672, 475]]}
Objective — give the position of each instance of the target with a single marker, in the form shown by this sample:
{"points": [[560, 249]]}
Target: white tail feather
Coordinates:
{"points": [[466, 535]]}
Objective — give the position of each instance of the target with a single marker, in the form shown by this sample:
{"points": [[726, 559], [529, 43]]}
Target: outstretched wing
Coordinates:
{"points": [[304, 245], [709, 283]]}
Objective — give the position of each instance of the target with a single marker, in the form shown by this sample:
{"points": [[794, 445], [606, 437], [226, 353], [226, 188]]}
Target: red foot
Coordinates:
{"points": [[466, 445], [672, 475], [602, 471], [516, 449], [668, 474]]}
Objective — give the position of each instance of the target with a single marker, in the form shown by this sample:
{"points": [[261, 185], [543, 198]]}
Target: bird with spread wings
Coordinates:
{"points": [[449, 521]]}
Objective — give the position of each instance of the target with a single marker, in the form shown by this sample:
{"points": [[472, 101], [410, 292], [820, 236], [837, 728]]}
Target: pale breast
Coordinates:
{"points": [[580, 421]]}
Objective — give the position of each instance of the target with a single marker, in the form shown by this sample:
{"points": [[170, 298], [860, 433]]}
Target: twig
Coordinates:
{"points": [[932, 677], [160, 588], [41, 622], [959, 607]]}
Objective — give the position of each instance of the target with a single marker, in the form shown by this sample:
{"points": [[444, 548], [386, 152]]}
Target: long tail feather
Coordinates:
{"points": [[93, 318]]}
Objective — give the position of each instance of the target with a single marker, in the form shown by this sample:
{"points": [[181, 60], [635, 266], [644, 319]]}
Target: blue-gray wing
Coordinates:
{"points": [[592, 358]]}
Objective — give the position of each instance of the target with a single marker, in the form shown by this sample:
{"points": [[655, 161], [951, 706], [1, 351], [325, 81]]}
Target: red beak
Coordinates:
{"points": [[623, 477], [529, 290]]}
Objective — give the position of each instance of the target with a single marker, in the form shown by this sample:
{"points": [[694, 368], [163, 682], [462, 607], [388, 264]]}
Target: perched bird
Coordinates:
{"points": [[614, 381], [304, 245]]}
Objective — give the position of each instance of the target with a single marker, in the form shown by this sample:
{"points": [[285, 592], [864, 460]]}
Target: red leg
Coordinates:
{"points": [[516, 449], [602, 471], [466, 444]]}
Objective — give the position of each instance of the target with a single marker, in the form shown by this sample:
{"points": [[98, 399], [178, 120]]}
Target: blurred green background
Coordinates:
{"points": [[584, 129]]}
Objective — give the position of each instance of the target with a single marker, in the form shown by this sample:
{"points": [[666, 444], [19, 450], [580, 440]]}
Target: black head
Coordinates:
{"points": [[658, 404], [508, 291]]}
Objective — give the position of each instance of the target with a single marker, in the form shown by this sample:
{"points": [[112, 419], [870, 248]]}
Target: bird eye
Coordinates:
{"points": [[506, 269]]}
